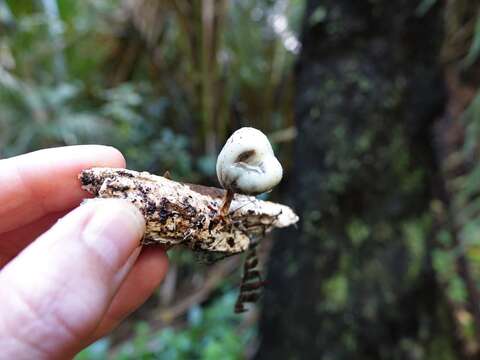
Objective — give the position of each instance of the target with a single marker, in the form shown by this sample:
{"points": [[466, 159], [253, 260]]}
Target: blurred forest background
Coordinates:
{"points": [[373, 109]]}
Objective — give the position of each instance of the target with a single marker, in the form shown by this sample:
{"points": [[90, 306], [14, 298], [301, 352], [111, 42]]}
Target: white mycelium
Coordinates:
{"points": [[247, 163]]}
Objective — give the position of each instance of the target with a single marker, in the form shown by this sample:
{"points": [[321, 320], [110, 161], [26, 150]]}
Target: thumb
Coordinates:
{"points": [[54, 294]]}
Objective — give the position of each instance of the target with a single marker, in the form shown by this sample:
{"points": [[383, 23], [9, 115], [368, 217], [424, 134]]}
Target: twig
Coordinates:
{"points": [[185, 214], [213, 278]]}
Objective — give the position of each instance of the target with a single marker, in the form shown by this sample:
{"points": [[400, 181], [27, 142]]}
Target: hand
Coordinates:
{"points": [[66, 283]]}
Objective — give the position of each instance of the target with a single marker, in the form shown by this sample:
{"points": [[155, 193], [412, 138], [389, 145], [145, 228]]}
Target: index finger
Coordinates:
{"points": [[45, 181]]}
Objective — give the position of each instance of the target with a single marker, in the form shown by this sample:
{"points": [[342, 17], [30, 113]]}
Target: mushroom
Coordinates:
{"points": [[247, 165]]}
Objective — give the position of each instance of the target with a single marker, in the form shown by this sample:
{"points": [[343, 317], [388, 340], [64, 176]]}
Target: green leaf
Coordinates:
{"points": [[474, 50]]}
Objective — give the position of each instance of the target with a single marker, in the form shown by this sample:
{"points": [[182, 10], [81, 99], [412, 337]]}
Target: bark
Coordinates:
{"points": [[356, 280], [187, 214]]}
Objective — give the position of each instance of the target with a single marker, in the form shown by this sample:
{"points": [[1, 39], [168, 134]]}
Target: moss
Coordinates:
{"points": [[335, 290], [358, 231]]}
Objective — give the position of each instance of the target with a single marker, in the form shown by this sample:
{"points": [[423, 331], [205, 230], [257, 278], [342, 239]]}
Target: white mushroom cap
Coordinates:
{"points": [[247, 163]]}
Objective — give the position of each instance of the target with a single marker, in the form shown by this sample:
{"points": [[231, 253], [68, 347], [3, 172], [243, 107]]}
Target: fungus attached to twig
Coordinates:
{"points": [[185, 214], [247, 165], [181, 214]]}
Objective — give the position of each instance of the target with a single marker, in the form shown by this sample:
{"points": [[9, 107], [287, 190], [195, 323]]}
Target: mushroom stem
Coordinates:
{"points": [[227, 200]]}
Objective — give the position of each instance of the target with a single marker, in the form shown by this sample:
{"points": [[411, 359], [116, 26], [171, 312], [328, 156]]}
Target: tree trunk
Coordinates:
{"points": [[356, 280]]}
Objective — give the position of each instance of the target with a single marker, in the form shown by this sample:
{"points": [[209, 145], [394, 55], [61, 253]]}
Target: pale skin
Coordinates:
{"points": [[68, 273]]}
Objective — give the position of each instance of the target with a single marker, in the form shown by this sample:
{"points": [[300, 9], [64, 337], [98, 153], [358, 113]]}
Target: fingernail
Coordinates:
{"points": [[127, 266], [114, 230]]}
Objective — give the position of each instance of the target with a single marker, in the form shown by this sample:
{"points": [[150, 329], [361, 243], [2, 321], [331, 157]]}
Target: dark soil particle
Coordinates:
{"points": [[87, 179], [151, 207], [124, 173]]}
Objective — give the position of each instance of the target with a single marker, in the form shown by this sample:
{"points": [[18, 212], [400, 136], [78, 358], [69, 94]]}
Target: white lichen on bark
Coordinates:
{"points": [[179, 213]]}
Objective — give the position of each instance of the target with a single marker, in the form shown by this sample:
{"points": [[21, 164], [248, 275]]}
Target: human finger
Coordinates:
{"points": [[55, 293], [45, 181], [14, 241], [146, 275]]}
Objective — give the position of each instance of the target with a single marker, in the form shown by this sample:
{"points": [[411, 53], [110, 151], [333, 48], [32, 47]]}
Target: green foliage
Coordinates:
{"points": [[68, 76], [66, 84], [467, 194], [463, 241], [212, 333], [474, 50]]}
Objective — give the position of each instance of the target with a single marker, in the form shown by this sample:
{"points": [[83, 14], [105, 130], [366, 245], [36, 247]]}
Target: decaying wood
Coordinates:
{"points": [[179, 213]]}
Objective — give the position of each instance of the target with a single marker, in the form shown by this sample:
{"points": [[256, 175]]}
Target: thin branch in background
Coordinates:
{"points": [[55, 29], [213, 278], [283, 135], [207, 28], [168, 287], [7, 20]]}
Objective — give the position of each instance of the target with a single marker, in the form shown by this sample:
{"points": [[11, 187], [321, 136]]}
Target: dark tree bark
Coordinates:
{"points": [[356, 280]]}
